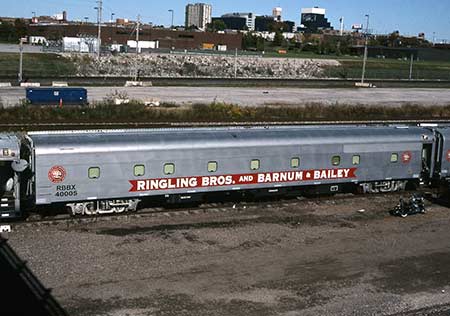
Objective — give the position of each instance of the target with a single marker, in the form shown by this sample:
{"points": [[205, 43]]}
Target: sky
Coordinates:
{"points": [[410, 17]]}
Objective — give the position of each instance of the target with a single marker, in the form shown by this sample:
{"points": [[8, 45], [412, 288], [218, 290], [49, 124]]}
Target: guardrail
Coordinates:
{"points": [[240, 82]]}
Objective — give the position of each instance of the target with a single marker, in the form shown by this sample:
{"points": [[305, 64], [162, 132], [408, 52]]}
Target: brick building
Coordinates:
{"points": [[121, 34]]}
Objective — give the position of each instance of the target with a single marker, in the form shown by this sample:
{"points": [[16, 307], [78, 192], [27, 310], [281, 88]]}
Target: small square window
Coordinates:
{"points": [[139, 170], [336, 160], [394, 157], [356, 160], [254, 165], [94, 173], [212, 166], [295, 162], [169, 168]]}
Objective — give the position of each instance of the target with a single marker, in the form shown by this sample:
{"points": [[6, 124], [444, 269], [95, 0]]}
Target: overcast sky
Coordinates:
{"points": [[410, 17]]}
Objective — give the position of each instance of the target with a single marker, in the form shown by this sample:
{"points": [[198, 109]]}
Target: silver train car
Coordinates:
{"points": [[113, 171]]}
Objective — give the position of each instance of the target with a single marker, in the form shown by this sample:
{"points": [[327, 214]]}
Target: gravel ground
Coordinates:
{"points": [[311, 257], [180, 65], [260, 96]]}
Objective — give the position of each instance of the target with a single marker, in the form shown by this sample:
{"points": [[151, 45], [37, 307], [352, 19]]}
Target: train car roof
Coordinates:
{"points": [[225, 137]]}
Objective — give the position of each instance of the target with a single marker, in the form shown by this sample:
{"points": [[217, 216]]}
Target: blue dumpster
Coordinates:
{"points": [[57, 96]]}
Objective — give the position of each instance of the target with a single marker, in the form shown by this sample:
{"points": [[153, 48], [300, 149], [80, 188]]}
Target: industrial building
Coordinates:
{"points": [[166, 39], [313, 20], [198, 15]]}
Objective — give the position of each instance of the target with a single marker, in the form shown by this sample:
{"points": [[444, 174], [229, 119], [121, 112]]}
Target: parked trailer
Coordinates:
{"points": [[57, 96]]}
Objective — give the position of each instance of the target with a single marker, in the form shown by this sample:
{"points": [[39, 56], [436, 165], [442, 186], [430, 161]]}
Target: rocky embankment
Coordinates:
{"points": [[175, 65]]}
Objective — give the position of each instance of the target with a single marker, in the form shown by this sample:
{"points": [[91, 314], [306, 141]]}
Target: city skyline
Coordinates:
{"points": [[430, 17]]}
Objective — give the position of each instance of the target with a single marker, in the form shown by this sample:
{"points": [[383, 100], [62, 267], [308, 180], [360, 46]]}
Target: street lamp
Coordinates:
{"points": [[171, 11], [365, 49], [86, 18], [112, 17]]}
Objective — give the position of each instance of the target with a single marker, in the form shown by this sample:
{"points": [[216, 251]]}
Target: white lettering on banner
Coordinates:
{"points": [[241, 179]]}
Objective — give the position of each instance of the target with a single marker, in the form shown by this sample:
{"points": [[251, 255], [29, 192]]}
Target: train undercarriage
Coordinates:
{"points": [[117, 206]]}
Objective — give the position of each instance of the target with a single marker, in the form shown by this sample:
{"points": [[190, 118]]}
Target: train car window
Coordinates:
{"points": [[212, 166], [254, 164], [295, 162], [139, 170], [169, 168], [394, 157], [336, 160], [356, 159], [94, 173]]}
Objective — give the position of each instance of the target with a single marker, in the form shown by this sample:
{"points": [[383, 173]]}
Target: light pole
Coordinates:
{"points": [[20, 75], [171, 25], [365, 50], [112, 17], [86, 18], [99, 9]]}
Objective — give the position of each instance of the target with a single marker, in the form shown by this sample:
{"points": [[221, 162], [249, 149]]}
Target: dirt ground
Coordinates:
{"points": [[298, 257]]}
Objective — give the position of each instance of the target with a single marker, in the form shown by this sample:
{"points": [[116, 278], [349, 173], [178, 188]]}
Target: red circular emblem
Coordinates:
{"points": [[57, 174], [448, 155], [406, 157]]}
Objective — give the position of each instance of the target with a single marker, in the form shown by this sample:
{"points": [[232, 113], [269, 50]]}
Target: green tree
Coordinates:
{"points": [[7, 32], [20, 28], [278, 39]]}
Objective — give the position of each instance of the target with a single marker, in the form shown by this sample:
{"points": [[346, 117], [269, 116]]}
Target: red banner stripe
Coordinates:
{"points": [[241, 179]]}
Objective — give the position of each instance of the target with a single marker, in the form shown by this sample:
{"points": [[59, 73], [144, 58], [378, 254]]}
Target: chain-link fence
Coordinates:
{"points": [[228, 64]]}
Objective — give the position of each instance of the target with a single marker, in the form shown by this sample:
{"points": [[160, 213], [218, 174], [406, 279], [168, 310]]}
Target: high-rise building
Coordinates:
{"points": [[198, 15], [314, 20], [238, 21]]}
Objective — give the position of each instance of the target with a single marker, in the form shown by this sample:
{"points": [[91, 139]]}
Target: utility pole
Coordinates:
{"points": [[138, 25], [99, 21], [365, 50], [235, 63], [411, 66]]}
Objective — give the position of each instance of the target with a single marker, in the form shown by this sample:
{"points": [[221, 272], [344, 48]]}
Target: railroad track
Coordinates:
{"points": [[208, 124], [207, 209]]}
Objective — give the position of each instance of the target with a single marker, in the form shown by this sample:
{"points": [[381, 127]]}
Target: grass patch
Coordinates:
{"points": [[390, 69], [36, 65], [217, 112]]}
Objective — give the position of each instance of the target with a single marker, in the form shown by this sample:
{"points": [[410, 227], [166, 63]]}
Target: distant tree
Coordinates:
{"points": [[7, 32], [252, 42], [278, 39], [20, 28], [192, 28], [216, 25], [278, 27]]}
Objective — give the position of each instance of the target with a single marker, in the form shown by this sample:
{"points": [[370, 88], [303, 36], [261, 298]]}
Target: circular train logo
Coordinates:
{"points": [[406, 157], [57, 174]]}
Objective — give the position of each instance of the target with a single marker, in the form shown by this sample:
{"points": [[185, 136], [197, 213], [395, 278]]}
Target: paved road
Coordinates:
{"points": [[14, 48], [260, 96]]}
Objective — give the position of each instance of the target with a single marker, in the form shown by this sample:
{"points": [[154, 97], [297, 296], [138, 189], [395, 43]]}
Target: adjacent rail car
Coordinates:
{"points": [[95, 172]]}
